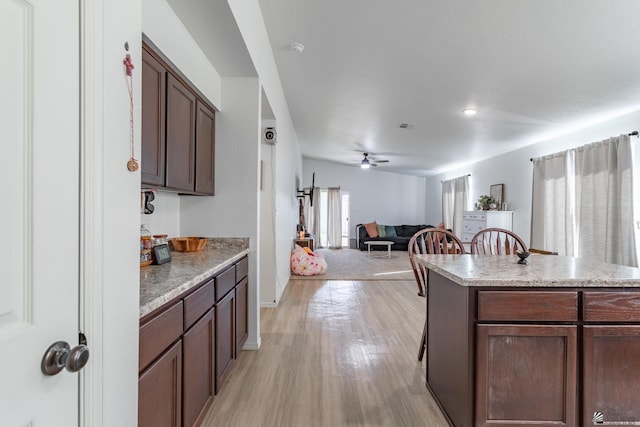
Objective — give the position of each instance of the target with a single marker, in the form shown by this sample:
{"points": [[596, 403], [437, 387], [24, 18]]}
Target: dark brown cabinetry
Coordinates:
{"points": [[242, 323], [514, 362], [199, 376], [205, 149], [160, 391], [181, 139], [187, 349], [178, 130], [533, 356], [526, 373], [611, 364], [154, 86], [225, 337]]}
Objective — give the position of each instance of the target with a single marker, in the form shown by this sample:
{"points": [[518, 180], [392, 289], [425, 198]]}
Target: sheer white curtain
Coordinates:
{"points": [[552, 213], [455, 196], [604, 201], [583, 202], [334, 218]]}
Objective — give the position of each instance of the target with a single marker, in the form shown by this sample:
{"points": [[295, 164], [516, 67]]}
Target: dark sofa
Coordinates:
{"points": [[400, 243]]}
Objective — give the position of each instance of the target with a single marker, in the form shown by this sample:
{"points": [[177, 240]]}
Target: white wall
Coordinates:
{"points": [[515, 170], [287, 151], [114, 287], [385, 197], [267, 219], [233, 211], [165, 218], [166, 31]]}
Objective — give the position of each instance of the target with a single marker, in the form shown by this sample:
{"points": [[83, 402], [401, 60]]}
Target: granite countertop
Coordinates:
{"points": [[162, 283], [542, 271]]}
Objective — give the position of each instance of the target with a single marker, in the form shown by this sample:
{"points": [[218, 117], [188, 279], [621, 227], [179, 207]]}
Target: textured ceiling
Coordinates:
{"points": [[532, 68]]}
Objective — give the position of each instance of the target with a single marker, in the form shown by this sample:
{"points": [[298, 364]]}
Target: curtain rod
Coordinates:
{"points": [[441, 181], [633, 133]]}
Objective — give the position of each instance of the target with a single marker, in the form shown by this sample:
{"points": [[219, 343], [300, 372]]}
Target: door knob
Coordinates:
{"points": [[60, 355]]}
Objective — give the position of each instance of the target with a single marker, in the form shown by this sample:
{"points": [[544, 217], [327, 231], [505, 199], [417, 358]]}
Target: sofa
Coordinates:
{"points": [[398, 234]]}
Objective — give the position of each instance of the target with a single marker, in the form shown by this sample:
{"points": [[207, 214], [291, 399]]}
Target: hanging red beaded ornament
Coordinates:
{"points": [[132, 164]]}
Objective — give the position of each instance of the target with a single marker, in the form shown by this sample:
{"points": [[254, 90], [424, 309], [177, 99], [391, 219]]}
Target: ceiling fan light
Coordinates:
{"points": [[365, 165]]}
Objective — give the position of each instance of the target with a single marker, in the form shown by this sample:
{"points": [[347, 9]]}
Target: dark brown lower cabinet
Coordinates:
{"points": [[187, 349], [242, 324], [523, 356], [160, 391], [526, 374], [198, 366], [612, 375], [225, 337]]}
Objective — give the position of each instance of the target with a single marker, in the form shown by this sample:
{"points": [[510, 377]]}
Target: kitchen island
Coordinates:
{"points": [[555, 342]]}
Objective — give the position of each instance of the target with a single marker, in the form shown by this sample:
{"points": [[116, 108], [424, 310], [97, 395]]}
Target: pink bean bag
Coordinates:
{"points": [[304, 262]]}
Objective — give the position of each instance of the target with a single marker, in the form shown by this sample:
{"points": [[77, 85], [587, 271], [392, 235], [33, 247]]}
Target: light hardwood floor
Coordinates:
{"points": [[334, 353]]}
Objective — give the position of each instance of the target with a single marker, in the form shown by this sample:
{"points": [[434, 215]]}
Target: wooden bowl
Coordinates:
{"points": [[188, 244]]}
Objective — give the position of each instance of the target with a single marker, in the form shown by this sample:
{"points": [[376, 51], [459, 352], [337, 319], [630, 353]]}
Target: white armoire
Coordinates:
{"points": [[474, 221]]}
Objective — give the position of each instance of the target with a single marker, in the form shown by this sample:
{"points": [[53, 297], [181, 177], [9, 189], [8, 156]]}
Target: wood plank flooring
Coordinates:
{"points": [[334, 353]]}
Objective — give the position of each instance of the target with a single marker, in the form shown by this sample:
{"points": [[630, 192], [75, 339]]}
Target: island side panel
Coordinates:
{"points": [[450, 348]]}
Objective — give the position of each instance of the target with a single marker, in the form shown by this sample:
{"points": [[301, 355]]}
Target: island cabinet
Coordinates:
{"points": [[187, 348], [526, 357], [178, 129], [554, 343], [513, 357], [611, 343]]}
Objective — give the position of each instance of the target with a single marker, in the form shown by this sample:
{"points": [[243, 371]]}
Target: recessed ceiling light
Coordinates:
{"points": [[297, 47], [470, 111]]}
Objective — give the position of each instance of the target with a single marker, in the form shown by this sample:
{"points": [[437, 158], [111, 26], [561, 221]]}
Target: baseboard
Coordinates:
{"points": [[268, 305], [252, 345]]}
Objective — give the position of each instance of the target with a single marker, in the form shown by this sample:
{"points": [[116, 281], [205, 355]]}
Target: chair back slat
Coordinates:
{"points": [[497, 241], [431, 241]]}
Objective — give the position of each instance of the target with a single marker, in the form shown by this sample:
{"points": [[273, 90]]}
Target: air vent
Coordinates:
{"points": [[407, 126]]}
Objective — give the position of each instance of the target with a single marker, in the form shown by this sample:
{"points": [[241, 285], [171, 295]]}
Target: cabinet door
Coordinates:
{"points": [[205, 149], [225, 337], [242, 331], [611, 366], [153, 120], [181, 116], [199, 372], [160, 391], [526, 374]]}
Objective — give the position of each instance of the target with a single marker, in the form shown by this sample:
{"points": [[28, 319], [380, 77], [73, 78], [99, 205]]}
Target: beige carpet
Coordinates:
{"points": [[352, 264]]}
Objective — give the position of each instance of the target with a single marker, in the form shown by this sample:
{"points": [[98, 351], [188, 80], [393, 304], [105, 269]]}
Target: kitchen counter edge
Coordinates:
{"points": [[160, 284]]}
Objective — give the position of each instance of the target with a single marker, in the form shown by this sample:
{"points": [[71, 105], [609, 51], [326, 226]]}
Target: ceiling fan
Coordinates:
{"points": [[366, 162]]}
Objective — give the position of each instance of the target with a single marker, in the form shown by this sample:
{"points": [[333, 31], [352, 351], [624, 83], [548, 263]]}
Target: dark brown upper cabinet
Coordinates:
{"points": [[154, 87], [205, 148], [181, 138], [178, 130]]}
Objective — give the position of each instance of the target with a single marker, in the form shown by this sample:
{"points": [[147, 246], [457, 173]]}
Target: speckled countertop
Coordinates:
{"points": [[162, 283], [542, 271]]}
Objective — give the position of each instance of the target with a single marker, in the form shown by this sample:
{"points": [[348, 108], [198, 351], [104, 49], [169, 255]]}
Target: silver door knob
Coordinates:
{"points": [[60, 355]]}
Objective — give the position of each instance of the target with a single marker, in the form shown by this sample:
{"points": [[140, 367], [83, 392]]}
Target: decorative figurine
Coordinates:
{"points": [[523, 257]]}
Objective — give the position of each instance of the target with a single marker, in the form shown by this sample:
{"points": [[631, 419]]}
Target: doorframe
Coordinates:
{"points": [[91, 134]]}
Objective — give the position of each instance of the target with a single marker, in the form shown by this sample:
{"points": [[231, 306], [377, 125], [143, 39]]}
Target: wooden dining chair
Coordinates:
{"points": [[542, 252], [430, 241], [497, 241]]}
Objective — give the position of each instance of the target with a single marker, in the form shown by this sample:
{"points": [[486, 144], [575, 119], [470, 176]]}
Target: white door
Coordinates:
{"points": [[39, 207]]}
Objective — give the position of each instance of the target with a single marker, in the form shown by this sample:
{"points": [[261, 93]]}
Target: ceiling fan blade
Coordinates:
{"points": [[381, 161]]}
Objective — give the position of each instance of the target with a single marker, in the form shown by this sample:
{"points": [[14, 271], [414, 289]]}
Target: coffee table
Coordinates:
{"points": [[379, 243]]}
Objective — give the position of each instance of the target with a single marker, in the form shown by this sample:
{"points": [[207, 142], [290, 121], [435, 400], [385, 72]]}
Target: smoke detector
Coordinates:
{"points": [[297, 47]]}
